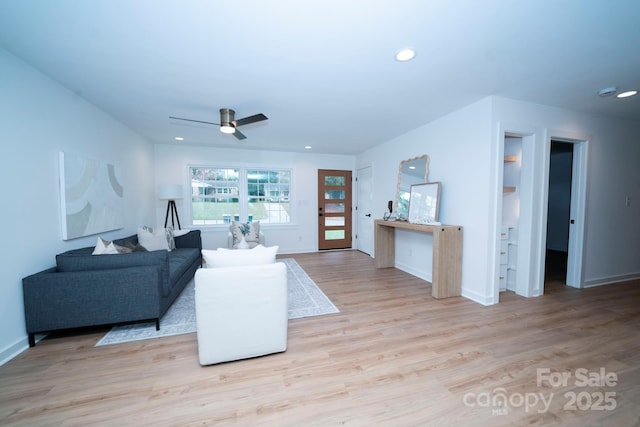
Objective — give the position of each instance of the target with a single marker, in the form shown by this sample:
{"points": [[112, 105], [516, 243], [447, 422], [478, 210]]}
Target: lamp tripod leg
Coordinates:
{"points": [[174, 210], [166, 217], [177, 218]]}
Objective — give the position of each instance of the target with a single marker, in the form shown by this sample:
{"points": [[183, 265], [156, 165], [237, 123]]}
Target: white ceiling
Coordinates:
{"points": [[324, 71]]}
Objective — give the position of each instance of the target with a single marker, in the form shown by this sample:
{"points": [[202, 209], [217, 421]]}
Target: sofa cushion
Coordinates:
{"points": [[239, 257], [81, 260], [190, 239], [180, 260]]}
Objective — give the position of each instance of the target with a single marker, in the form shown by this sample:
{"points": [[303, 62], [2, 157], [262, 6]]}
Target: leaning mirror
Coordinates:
{"points": [[412, 171], [425, 203]]}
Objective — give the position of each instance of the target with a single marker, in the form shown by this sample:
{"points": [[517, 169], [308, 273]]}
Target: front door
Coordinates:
{"points": [[334, 209]]}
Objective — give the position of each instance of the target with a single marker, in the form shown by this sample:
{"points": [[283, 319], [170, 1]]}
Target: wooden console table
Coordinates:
{"points": [[447, 253]]}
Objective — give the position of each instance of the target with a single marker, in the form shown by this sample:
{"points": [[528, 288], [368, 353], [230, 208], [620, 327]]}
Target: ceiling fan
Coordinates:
{"points": [[228, 123]]}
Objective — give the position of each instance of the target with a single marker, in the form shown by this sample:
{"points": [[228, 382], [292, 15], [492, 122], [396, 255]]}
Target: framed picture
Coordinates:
{"points": [[91, 196], [424, 203]]}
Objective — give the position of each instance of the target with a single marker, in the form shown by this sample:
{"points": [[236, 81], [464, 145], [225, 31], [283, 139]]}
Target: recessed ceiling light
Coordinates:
{"points": [[179, 138], [405, 55], [307, 147], [627, 94]]}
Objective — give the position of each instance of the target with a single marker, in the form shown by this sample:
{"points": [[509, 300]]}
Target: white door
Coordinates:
{"points": [[364, 217], [576, 223]]}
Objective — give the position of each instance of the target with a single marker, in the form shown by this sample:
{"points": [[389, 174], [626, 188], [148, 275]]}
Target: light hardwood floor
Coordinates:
{"points": [[393, 356]]}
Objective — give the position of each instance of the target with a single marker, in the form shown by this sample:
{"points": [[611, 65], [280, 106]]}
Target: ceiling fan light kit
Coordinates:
{"points": [[613, 90], [227, 117], [627, 94]]}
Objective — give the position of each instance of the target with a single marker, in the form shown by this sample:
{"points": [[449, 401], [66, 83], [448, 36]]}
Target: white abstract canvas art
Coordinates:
{"points": [[91, 196]]}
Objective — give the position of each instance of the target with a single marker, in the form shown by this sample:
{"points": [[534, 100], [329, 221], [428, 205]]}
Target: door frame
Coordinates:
{"points": [[532, 232], [575, 252], [347, 241]]}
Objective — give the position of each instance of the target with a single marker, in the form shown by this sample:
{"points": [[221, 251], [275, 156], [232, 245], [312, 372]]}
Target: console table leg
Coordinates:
{"points": [[447, 262]]}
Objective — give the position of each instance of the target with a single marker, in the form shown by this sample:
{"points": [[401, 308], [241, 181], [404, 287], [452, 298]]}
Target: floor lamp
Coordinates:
{"points": [[170, 192]]}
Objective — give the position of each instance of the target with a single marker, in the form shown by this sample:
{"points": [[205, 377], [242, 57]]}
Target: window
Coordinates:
{"points": [[222, 195]]}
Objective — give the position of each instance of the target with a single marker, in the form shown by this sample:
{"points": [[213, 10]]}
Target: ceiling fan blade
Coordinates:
{"points": [[196, 121], [251, 119], [239, 135]]}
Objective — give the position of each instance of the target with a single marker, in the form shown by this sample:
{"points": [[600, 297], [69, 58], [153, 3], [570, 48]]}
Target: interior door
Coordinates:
{"points": [[364, 219], [334, 209]]}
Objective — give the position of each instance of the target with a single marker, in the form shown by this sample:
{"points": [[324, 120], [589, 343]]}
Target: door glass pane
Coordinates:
{"points": [[334, 235], [334, 207], [334, 221], [334, 194], [336, 181]]}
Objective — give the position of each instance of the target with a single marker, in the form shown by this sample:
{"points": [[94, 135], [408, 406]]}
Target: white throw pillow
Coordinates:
{"points": [[153, 240], [237, 258], [105, 247]]}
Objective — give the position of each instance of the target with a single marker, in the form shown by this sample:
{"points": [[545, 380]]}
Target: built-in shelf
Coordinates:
{"points": [[510, 159], [508, 189]]}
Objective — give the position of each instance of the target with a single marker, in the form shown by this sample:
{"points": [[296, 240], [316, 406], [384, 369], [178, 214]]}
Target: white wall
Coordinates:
{"points": [[39, 118], [458, 146], [172, 164], [465, 156], [612, 230]]}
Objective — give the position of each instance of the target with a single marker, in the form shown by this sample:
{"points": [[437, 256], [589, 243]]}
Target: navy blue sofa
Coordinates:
{"points": [[89, 290]]}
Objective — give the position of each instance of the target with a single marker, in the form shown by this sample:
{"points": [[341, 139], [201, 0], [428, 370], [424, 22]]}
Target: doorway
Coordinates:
{"points": [[334, 209], [530, 233], [558, 212], [566, 210]]}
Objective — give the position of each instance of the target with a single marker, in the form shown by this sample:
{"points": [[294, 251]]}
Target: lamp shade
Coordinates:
{"points": [[170, 191]]}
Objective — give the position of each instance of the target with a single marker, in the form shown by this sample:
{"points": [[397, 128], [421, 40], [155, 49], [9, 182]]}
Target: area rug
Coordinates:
{"points": [[305, 300]]}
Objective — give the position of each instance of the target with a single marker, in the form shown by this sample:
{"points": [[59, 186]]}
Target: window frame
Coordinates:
{"points": [[243, 193]]}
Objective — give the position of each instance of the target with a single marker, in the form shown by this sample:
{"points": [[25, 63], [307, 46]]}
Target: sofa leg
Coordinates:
{"points": [[32, 340], [157, 324]]}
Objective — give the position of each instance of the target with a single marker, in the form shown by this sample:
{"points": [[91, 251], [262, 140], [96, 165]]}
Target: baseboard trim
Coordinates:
{"points": [[476, 297], [13, 350], [424, 275], [610, 280]]}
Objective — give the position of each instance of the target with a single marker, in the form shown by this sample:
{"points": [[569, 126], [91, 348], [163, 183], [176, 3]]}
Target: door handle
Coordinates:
{"points": [[369, 215]]}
